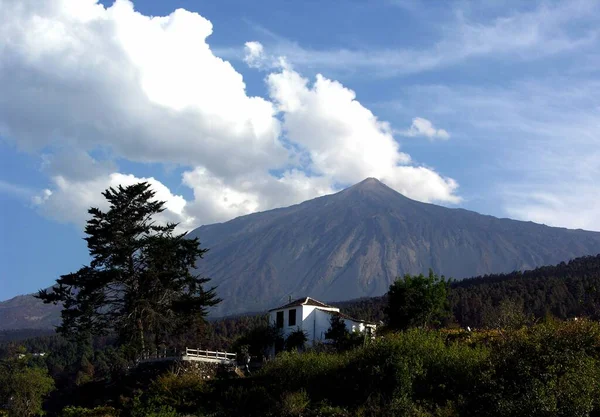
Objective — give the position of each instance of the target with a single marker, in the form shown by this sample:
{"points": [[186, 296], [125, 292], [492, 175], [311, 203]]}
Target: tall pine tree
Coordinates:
{"points": [[139, 284]]}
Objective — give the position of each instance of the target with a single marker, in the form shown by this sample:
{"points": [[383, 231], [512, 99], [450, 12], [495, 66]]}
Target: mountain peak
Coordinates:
{"points": [[370, 182], [372, 187]]}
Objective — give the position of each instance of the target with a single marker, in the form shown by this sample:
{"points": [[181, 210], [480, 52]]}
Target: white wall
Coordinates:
{"points": [[306, 311], [354, 326], [286, 328], [313, 321], [323, 324]]}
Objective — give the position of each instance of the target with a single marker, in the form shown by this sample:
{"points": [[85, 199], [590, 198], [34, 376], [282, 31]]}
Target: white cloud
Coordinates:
{"points": [[69, 200], [42, 197], [423, 184], [78, 78], [254, 54], [76, 74], [423, 127], [256, 57], [345, 140], [217, 200]]}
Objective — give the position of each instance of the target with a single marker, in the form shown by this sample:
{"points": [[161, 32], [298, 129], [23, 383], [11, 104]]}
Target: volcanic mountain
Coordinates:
{"points": [[348, 245], [356, 242]]}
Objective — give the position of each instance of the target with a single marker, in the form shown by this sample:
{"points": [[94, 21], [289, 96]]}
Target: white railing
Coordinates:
{"points": [[210, 354], [187, 354]]}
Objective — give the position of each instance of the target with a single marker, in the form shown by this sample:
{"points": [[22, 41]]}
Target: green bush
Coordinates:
{"points": [[158, 411], [413, 367], [295, 341], [23, 389], [388, 377], [257, 341], [148, 407], [293, 404], [548, 369], [326, 410], [89, 412], [178, 391]]}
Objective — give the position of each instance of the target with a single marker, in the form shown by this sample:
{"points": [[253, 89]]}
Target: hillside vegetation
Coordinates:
{"points": [[547, 369], [550, 369], [527, 358], [565, 290]]}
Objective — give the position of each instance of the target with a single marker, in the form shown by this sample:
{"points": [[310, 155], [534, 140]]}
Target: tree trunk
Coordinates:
{"points": [[141, 330]]}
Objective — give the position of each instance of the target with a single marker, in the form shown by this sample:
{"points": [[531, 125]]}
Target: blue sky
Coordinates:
{"points": [[232, 107]]}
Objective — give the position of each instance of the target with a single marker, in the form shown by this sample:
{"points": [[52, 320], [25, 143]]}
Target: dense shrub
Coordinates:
{"points": [[547, 369], [393, 374], [551, 369], [23, 388], [170, 392], [296, 340], [413, 367], [89, 412], [178, 391], [293, 404]]}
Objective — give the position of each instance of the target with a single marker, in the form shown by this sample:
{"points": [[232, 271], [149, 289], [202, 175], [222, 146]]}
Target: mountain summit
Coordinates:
{"points": [[356, 242], [370, 188]]}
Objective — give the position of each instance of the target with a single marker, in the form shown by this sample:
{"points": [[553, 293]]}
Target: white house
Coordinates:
{"points": [[313, 317]]}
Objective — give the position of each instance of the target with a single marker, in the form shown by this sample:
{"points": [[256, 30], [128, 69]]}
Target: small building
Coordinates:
{"points": [[314, 318]]}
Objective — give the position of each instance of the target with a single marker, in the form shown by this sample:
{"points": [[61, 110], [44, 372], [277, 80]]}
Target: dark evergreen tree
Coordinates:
{"points": [[337, 331], [139, 284], [258, 340], [342, 339], [417, 301]]}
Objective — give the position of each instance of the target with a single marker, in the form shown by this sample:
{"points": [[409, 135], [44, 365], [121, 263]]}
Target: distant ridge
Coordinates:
{"points": [[27, 312]]}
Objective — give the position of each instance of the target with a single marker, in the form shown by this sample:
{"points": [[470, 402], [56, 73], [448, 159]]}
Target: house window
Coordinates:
{"points": [[292, 318], [279, 321]]}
